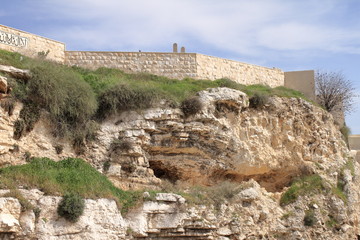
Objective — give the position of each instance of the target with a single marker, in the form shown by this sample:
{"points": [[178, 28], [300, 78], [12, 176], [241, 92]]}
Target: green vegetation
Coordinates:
{"points": [[345, 131], [75, 97], [71, 207], [258, 100], [303, 186], [339, 189], [309, 218], [191, 106], [332, 222], [70, 175]]}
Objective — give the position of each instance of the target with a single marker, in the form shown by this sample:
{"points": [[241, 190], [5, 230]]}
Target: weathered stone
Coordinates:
{"points": [[15, 72], [3, 85]]}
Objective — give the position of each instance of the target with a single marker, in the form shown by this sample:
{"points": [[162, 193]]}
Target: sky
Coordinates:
{"points": [[287, 34]]}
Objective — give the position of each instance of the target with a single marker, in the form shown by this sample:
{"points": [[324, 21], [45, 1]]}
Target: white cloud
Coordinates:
{"points": [[241, 26]]}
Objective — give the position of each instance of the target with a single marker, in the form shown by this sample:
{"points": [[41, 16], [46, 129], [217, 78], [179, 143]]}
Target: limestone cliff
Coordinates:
{"points": [[262, 148]]}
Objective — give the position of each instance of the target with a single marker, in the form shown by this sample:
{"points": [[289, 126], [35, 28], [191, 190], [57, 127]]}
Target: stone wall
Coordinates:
{"points": [[354, 142], [303, 81], [178, 65], [30, 44], [172, 65], [212, 68]]}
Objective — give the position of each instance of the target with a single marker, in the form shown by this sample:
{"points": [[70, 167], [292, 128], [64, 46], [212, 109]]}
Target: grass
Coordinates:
{"points": [[70, 175], [75, 97], [303, 186]]}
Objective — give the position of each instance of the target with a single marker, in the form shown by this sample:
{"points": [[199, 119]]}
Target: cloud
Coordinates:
{"points": [[250, 28]]}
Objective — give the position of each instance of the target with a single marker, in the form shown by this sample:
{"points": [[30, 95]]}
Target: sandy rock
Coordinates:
{"points": [[3, 85], [15, 72]]}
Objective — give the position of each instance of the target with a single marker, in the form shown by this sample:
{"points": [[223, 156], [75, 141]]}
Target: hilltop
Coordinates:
{"points": [[192, 158]]}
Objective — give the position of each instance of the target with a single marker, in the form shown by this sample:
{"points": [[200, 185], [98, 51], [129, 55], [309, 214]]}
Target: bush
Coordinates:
{"points": [[71, 207], [123, 97], [60, 91], [309, 218], [121, 145], [8, 105], [191, 106], [345, 131], [258, 100]]}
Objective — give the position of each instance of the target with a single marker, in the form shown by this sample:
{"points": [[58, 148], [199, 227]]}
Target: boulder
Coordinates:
{"points": [[15, 72]]}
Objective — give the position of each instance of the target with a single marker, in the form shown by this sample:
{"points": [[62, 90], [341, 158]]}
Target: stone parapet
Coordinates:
{"points": [[178, 66], [30, 44], [172, 65], [212, 68]]}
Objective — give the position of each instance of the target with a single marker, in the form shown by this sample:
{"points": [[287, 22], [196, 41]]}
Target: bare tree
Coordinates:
{"points": [[334, 92]]}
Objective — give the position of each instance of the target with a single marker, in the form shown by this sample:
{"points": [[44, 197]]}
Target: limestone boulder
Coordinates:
{"points": [[15, 72]]}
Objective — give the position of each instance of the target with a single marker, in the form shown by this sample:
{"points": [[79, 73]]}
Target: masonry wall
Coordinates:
{"points": [[303, 81], [354, 142], [172, 65], [212, 68], [178, 65], [29, 44]]}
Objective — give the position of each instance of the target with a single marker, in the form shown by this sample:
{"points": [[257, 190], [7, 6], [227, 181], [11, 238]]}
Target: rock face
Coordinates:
{"points": [[101, 219], [15, 72], [261, 148], [226, 140]]}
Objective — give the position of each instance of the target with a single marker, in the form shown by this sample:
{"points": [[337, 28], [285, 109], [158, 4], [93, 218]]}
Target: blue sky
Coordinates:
{"points": [[287, 34]]}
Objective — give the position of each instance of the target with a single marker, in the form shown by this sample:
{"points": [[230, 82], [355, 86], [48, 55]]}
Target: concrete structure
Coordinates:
{"points": [[171, 64], [354, 142], [30, 44], [302, 81]]}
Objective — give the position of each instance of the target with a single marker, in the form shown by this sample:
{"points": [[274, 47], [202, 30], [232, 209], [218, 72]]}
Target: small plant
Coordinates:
{"points": [[37, 212], [8, 105], [303, 186], [59, 148], [258, 100], [331, 222], [191, 106], [43, 54], [121, 145], [27, 156], [345, 131], [15, 148], [106, 166], [71, 207], [310, 219]]}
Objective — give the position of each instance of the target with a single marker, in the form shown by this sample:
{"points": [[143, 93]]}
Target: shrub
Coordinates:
{"points": [[191, 106], [121, 145], [345, 131], [60, 91], [106, 166], [59, 148], [71, 207], [309, 218], [258, 100], [8, 104], [123, 97]]}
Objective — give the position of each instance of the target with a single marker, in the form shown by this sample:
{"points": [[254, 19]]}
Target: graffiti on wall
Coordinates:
{"points": [[13, 40]]}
